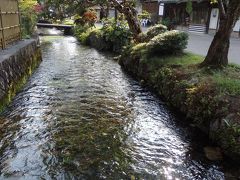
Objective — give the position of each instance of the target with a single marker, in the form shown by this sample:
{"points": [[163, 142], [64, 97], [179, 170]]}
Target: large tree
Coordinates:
{"points": [[128, 9], [217, 55], [71, 7]]}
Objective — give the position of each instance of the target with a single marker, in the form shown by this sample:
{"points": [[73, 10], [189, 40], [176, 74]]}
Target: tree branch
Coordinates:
{"points": [[117, 5], [222, 9]]}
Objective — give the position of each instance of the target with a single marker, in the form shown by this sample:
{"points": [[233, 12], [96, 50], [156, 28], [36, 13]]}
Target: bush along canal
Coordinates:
{"points": [[81, 117], [207, 96]]}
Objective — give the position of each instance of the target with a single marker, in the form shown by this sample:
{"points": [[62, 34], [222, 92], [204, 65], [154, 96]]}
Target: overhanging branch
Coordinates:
{"points": [[222, 9]]}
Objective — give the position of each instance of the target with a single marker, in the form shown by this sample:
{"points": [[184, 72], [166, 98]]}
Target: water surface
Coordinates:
{"points": [[81, 117]]}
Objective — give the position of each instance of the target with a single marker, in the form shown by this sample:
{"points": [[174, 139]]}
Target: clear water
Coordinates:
{"points": [[81, 117]]}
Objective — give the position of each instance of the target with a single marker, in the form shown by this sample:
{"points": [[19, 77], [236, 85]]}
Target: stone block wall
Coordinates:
{"points": [[16, 65]]}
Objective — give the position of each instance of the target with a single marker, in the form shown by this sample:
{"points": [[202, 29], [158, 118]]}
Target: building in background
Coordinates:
{"points": [[152, 7], [204, 17]]}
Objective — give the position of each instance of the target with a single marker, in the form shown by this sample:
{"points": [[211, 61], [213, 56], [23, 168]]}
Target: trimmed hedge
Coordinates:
{"points": [[170, 42], [152, 32]]}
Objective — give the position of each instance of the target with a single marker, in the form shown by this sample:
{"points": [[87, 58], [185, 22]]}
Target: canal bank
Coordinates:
{"points": [[208, 97], [81, 117], [17, 63]]}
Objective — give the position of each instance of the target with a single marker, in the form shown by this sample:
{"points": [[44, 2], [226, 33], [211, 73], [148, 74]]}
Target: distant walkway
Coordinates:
{"points": [[199, 44]]}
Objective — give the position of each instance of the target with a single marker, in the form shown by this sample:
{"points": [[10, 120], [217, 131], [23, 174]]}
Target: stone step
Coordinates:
{"points": [[197, 28]]}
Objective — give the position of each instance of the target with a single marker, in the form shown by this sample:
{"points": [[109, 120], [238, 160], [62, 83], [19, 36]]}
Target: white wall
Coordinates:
{"points": [[214, 18], [237, 26], [161, 9], [214, 21]]}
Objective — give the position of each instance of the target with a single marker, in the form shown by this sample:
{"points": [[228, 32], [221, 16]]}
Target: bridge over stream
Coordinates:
{"points": [[67, 29]]}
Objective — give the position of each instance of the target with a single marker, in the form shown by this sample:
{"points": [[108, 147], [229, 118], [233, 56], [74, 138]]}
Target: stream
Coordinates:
{"points": [[80, 116]]}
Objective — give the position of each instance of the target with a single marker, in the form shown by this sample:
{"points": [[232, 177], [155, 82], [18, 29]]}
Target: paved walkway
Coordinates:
{"points": [[199, 44]]}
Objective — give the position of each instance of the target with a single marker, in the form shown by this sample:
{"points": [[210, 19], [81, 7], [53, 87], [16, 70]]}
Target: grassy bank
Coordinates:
{"points": [[113, 36], [209, 98]]}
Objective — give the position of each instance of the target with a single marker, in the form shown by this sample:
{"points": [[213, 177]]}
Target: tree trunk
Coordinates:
{"points": [[131, 17], [217, 55], [134, 25]]}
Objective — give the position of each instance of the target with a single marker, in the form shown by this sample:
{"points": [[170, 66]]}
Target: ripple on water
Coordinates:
{"points": [[81, 117]]}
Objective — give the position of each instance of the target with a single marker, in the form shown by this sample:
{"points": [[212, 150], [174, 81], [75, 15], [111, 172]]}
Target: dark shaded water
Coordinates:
{"points": [[81, 117]]}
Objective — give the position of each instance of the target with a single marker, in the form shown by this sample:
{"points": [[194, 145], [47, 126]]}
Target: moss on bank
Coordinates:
{"points": [[112, 36], [210, 98], [15, 86]]}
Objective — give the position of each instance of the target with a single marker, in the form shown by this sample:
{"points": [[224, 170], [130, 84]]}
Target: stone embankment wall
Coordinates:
{"points": [[215, 113], [16, 64]]}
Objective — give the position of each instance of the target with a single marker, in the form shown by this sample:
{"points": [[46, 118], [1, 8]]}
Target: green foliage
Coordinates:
{"points": [[144, 15], [181, 60], [170, 42], [84, 37], [141, 47], [79, 29], [210, 98], [152, 32], [189, 7], [166, 22], [155, 30], [170, 23], [68, 21], [116, 33], [166, 45], [113, 36], [28, 16], [227, 84]]}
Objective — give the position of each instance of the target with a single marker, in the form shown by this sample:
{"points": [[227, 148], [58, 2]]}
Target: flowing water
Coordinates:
{"points": [[81, 117]]}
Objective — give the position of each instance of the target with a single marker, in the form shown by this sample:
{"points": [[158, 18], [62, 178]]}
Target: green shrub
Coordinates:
{"points": [[113, 36], [170, 42], [79, 29], [155, 30], [169, 23], [152, 32], [139, 49], [144, 15], [83, 38], [142, 37], [97, 40], [28, 17], [116, 34]]}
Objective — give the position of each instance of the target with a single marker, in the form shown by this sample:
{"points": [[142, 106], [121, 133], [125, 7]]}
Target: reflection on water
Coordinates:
{"points": [[81, 117]]}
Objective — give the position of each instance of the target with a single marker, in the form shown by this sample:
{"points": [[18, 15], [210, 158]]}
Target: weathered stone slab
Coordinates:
{"points": [[16, 64]]}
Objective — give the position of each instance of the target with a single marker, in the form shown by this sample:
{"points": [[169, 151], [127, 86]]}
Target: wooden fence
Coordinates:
{"points": [[10, 29]]}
